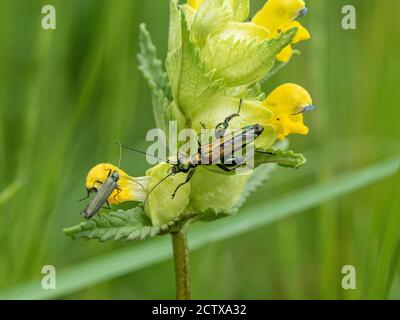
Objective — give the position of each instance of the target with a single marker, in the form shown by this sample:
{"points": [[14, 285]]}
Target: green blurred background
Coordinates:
{"points": [[67, 94]]}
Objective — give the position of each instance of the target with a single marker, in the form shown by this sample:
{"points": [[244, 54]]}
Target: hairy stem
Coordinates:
{"points": [[181, 260]]}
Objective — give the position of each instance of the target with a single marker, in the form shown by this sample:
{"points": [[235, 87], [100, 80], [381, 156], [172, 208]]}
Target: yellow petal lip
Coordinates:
{"points": [[288, 102], [285, 54]]}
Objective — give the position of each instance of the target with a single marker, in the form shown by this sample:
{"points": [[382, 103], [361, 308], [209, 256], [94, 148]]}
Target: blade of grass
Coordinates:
{"points": [[10, 191], [153, 251], [389, 253]]}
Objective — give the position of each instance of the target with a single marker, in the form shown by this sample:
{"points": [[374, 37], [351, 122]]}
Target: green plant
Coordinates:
{"points": [[215, 62]]}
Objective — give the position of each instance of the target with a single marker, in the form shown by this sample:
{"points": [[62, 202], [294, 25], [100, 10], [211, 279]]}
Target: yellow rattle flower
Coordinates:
{"points": [[278, 16], [288, 102]]}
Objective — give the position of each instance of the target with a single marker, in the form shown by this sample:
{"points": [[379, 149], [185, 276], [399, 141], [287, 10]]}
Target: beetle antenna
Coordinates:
{"points": [[133, 180], [158, 183], [120, 154], [240, 105], [87, 196], [144, 152]]}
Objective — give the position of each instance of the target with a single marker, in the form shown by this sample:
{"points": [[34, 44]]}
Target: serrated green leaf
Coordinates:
{"points": [[121, 225], [240, 8], [174, 56], [286, 159], [175, 32], [153, 72], [242, 60], [195, 83], [214, 15], [211, 17], [189, 14], [253, 92]]}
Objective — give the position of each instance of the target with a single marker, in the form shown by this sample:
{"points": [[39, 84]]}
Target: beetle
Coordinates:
{"points": [[220, 152], [102, 194]]}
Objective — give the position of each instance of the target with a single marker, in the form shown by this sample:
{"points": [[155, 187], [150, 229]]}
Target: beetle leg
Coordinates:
{"points": [[190, 175], [221, 128], [235, 162], [109, 172], [115, 197], [108, 207], [225, 168]]}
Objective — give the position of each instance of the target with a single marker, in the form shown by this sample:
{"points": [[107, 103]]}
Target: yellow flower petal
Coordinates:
{"points": [[285, 54], [276, 13], [195, 4], [286, 103], [130, 188], [285, 124]]}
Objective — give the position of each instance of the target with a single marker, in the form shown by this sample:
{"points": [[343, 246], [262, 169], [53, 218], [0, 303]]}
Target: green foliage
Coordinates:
{"points": [[153, 72], [175, 27], [284, 158], [257, 179], [240, 8], [253, 92], [211, 17], [129, 225], [214, 15], [243, 60], [126, 260], [265, 163], [214, 190], [160, 206], [195, 84]]}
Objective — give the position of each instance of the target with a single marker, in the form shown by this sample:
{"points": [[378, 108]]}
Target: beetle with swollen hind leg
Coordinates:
{"points": [[221, 152]]}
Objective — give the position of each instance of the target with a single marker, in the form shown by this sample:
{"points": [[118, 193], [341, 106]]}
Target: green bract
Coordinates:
{"points": [[242, 58], [160, 206]]}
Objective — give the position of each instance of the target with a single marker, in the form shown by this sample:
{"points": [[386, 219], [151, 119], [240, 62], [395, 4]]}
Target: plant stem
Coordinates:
{"points": [[181, 260]]}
